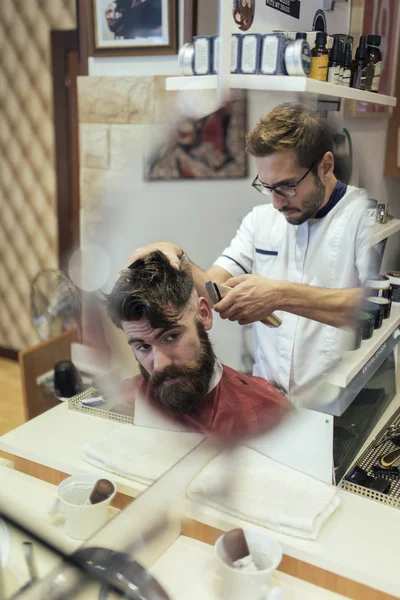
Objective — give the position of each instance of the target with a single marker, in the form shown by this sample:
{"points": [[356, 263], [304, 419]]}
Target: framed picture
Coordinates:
{"points": [[379, 17], [129, 27], [212, 147]]}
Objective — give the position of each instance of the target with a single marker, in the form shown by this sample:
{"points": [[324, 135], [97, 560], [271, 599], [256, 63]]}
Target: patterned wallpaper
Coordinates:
{"points": [[28, 231]]}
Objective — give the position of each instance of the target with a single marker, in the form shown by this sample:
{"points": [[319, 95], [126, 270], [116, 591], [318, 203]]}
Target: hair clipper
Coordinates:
{"points": [[217, 291]]}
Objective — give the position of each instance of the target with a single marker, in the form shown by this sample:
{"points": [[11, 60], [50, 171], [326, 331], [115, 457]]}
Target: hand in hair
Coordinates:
{"points": [[173, 252]]}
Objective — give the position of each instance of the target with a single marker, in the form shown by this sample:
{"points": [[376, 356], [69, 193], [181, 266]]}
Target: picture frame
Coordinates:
{"points": [[381, 17], [210, 147], [129, 27]]}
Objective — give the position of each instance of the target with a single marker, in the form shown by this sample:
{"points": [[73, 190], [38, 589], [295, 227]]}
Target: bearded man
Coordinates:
{"points": [[166, 324]]}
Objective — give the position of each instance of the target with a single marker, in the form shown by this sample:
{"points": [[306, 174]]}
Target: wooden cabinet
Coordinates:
{"points": [[36, 361]]}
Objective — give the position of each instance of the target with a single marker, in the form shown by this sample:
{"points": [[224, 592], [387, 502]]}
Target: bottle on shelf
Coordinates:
{"points": [[374, 60], [335, 61], [346, 65], [319, 58], [359, 66], [341, 65]]}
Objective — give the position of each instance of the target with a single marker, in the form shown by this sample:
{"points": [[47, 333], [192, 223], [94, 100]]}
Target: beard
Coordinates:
{"points": [[184, 397], [310, 205]]}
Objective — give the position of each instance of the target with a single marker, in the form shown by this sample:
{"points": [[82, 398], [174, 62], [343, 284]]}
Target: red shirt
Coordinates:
{"points": [[238, 405]]}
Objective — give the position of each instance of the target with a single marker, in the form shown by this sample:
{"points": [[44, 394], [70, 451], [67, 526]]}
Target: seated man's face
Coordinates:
{"points": [[177, 362]]}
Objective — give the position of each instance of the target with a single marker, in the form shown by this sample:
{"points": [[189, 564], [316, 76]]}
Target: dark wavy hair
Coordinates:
{"points": [[150, 288]]}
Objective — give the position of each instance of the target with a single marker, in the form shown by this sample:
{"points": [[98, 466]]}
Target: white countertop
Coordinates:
{"points": [[18, 487], [197, 570], [49, 567], [54, 439], [359, 541]]}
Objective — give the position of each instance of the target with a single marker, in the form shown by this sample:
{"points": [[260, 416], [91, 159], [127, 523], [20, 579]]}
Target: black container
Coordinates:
{"points": [[352, 337], [378, 286], [67, 380], [377, 311], [367, 322], [384, 302], [394, 278], [358, 336]]}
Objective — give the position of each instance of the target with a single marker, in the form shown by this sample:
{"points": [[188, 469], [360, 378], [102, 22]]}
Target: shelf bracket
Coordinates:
{"points": [[225, 37], [327, 104]]}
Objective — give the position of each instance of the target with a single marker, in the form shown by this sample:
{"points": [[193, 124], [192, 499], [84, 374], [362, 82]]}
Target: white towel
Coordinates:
{"points": [[140, 453], [266, 493]]}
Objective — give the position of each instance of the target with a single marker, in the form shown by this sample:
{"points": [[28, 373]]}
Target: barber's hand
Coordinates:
{"points": [[171, 251], [253, 298]]}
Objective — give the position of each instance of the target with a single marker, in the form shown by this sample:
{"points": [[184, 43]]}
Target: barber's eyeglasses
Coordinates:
{"points": [[287, 191]]}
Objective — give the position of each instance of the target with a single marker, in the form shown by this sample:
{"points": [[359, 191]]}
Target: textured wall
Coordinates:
{"points": [[28, 227], [120, 120]]}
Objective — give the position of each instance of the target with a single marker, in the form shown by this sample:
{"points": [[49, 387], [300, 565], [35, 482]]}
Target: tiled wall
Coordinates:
{"points": [[120, 120]]}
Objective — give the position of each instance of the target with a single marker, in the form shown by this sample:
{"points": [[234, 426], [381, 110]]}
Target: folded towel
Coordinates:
{"points": [[266, 493], [139, 453]]}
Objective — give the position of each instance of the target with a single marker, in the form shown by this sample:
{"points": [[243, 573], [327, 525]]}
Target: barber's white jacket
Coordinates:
{"points": [[329, 252]]}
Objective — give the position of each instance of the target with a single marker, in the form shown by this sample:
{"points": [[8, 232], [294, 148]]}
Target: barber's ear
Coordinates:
{"points": [[204, 313], [326, 166]]}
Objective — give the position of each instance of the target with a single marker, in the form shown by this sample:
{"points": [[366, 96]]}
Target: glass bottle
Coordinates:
{"points": [[319, 58], [374, 59], [346, 65], [335, 60], [359, 66]]}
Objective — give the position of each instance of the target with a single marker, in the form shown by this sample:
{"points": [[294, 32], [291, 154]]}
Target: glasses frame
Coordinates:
{"points": [[260, 186]]}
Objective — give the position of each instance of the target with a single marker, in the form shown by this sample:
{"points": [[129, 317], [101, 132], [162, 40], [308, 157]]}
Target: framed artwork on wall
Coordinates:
{"points": [[379, 17], [212, 147], [129, 27]]}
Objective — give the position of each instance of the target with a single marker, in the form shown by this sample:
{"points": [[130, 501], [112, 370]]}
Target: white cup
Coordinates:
{"points": [[236, 584], [82, 519]]}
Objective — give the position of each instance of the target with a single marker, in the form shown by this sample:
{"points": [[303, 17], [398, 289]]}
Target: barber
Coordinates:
{"points": [[304, 254]]}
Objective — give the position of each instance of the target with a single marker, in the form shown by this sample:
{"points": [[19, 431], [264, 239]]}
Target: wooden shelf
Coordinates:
{"points": [[279, 83], [381, 232], [354, 361]]}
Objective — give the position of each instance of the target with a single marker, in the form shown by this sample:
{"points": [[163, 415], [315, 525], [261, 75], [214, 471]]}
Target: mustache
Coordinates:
{"points": [[172, 372]]}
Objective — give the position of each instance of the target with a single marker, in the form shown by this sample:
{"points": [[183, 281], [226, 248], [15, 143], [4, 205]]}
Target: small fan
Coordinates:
{"points": [[55, 303]]}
